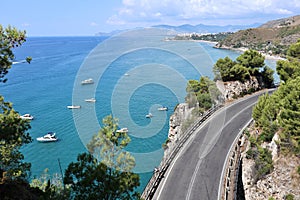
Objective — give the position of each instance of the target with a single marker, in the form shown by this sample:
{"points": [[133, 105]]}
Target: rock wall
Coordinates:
{"points": [[233, 89], [283, 180], [181, 116]]}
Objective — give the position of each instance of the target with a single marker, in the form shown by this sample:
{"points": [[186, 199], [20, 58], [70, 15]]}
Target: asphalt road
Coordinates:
{"points": [[196, 171]]}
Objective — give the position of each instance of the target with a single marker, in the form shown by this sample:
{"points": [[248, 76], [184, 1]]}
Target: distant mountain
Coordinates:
{"points": [[187, 28], [201, 28], [108, 34]]}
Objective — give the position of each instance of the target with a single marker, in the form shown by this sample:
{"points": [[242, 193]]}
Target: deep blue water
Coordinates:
{"points": [[134, 84]]}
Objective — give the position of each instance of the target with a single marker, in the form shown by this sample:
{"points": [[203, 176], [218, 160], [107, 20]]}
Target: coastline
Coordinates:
{"points": [[243, 49], [240, 49]]}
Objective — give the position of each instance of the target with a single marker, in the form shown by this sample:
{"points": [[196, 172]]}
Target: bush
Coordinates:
{"points": [[298, 170], [246, 132], [263, 163], [289, 197]]}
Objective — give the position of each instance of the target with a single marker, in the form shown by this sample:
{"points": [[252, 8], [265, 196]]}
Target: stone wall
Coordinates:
{"points": [[234, 89]]}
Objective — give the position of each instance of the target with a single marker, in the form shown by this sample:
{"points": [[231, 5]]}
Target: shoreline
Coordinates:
{"points": [[240, 49], [243, 49]]}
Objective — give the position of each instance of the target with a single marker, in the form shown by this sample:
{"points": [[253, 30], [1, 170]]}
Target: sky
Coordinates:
{"points": [[88, 17]]}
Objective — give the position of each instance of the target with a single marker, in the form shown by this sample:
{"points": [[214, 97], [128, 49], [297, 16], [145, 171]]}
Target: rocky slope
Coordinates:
{"points": [[282, 181], [234, 89], [273, 37]]}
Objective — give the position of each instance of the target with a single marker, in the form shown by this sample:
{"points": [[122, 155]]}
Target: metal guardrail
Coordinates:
{"points": [[159, 174]]}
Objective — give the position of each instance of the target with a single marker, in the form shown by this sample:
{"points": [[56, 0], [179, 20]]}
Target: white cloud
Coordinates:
{"points": [[284, 11], [94, 24], [201, 11], [115, 20]]}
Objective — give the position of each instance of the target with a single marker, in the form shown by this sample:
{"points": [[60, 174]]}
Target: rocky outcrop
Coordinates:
{"points": [[180, 119], [234, 89], [283, 180], [181, 114]]}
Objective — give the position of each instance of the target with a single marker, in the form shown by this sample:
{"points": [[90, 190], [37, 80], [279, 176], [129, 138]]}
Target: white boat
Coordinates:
{"points": [[49, 137], [73, 107], [27, 116], [92, 100], [163, 108], [122, 130], [149, 115], [87, 81]]}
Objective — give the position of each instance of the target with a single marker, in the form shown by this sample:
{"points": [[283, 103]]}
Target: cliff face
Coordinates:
{"points": [[179, 121], [283, 180], [233, 89], [181, 114]]}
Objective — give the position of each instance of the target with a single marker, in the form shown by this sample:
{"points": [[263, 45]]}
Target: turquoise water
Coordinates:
{"points": [[45, 87]]}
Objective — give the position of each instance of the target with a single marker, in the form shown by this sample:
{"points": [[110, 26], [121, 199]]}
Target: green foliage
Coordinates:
{"points": [[222, 69], [202, 94], [288, 69], [281, 110], [298, 170], [263, 163], [267, 76], [246, 65], [108, 177], [294, 50], [239, 72], [251, 59], [91, 179], [205, 101], [108, 146], [52, 186], [289, 197], [271, 198], [10, 38], [12, 137]]}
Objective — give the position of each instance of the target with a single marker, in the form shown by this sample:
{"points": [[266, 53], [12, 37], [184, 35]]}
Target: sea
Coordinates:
{"points": [[134, 74]]}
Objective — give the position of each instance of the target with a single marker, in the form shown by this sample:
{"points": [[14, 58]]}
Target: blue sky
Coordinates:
{"points": [[87, 17]]}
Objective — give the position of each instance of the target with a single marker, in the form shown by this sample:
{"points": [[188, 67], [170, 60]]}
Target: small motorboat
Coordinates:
{"points": [[49, 137], [87, 81], [149, 115], [122, 130], [27, 116], [73, 107], [163, 108], [92, 100]]}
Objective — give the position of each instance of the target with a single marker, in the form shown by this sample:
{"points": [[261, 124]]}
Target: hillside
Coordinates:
{"points": [[273, 37]]}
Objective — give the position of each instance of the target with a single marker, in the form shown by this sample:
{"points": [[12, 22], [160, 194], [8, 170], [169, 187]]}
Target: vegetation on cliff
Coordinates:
{"points": [[250, 63], [278, 113], [202, 94]]}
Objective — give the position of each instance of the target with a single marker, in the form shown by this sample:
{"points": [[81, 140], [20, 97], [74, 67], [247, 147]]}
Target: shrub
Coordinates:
{"points": [[289, 197], [263, 163]]}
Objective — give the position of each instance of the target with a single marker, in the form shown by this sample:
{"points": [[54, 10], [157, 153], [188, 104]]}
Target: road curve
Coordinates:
{"points": [[196, 171]]}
